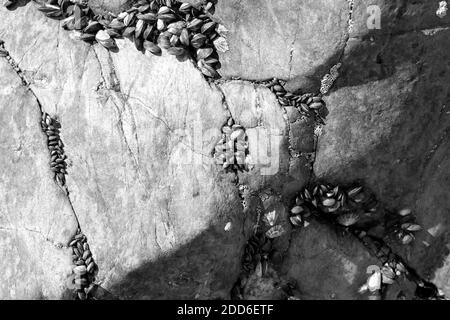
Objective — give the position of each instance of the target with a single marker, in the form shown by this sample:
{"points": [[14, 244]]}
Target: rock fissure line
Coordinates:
{"points": [[51, 128], [340, 208], [54, 243], [115, 91]]}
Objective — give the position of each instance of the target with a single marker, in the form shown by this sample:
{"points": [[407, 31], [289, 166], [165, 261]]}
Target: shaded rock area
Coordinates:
{"points": [[326, 264], [389, 126], [163, 219], [396, 17]]}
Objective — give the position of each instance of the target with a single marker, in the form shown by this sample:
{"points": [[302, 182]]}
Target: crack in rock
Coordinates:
{"points": [[48, 125]]}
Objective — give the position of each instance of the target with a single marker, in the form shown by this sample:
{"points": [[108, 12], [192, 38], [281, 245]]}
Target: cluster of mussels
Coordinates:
{"points": [[392, 267], [58, 163], [85, 269], [181, 28], [307, 104], [232, 149], [255, 258], [344, 206]]}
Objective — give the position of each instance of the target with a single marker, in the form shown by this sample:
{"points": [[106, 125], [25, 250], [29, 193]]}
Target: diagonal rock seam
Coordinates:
{"points": [[376, 246], [384, 253], [26, 83]]}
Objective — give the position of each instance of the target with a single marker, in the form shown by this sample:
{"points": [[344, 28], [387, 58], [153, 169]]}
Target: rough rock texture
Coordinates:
{"points": [[143, 185], [280, 38], [139, 132], [389, 126], [36, 219], [325, 264]]}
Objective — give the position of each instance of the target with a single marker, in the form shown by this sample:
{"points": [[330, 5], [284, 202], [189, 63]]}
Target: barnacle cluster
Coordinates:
{"points": [[329, 79]]}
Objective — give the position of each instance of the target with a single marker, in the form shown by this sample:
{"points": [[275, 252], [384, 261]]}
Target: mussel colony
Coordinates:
{"points": [[347, 209], [183, 30], [352, 208], [186, 31], [58, 164], [85, 268], [308, 104]]}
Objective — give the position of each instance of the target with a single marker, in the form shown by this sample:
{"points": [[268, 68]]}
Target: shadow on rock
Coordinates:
{"points": [[389, 118], [204, 268]]}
